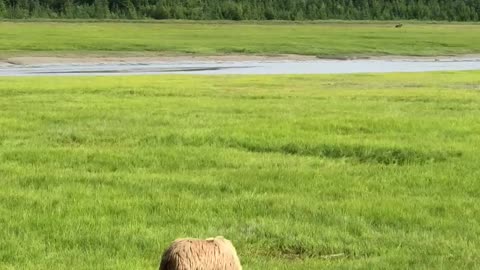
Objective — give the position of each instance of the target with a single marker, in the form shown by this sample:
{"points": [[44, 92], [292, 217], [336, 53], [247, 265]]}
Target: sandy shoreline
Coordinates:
{"points": [[36, 60], [39, 60]]}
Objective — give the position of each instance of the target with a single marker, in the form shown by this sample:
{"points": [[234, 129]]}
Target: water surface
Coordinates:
{"points": [[241, 67]]}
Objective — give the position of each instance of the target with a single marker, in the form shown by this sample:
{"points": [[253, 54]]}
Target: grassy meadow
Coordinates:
{"points": [[334, 39], [103, 172]]}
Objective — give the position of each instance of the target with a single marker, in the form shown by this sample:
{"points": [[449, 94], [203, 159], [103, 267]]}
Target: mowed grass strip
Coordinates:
{"points": [[103, 172], [325, 39]]}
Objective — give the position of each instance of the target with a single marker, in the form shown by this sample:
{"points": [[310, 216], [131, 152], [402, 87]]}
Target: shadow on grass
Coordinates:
{"points": [[360, 153]]}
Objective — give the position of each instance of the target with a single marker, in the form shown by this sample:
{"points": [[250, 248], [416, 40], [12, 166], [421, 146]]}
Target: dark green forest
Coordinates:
{"points": [[445, 10]]}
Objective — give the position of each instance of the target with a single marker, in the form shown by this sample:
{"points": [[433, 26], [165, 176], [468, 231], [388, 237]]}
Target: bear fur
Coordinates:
{"points": [[201, 254]]}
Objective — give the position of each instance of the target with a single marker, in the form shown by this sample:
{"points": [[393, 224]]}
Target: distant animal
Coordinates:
{"points": [[201, 254], [399, 25]]}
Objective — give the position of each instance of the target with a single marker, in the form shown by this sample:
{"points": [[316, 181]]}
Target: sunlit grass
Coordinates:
{"points": [[325, 39], [103, 172]]}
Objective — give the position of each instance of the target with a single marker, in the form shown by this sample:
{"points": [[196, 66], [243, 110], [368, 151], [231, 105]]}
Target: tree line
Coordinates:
{"points": [[451, 10]]}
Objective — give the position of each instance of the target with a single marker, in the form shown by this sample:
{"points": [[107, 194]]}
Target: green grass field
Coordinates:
{"points": [[322, 39], [103, 172]]}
